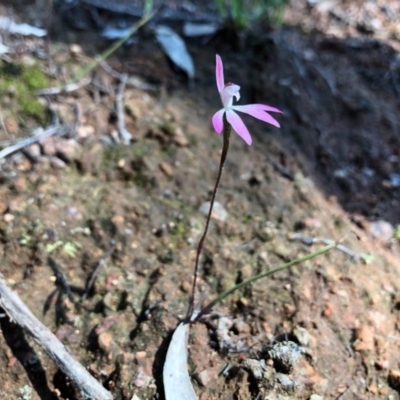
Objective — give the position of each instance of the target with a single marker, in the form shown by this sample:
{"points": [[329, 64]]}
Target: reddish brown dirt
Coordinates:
{"points": [[330, 172]]}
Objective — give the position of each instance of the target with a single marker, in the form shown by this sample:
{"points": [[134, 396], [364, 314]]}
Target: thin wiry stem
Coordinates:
{"points": [[226, 135]]}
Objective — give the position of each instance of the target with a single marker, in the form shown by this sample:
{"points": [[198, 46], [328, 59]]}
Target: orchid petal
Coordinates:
{"points": [[238, 126], [217, 121], [219, 73], [257, 113], [263, 107]]}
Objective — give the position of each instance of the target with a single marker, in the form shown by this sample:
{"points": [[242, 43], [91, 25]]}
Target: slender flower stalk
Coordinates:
{"points": [[192, 312]]}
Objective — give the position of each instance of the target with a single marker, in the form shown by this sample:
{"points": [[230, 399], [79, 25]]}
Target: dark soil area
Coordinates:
{"points": [[83, 198]]}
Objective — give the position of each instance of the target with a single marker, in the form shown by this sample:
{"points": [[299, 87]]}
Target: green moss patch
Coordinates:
{"points": [[18, 85]]}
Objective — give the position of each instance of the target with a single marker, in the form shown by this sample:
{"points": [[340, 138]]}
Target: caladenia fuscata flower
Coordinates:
{"points": [[228, 91], [223, 120]]}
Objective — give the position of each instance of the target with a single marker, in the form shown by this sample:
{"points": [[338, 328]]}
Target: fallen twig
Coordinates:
{"points": [[131, 81], [64, 89], [18, 312], [309, 240], [119, 105], [3, 126], [51, 130]]}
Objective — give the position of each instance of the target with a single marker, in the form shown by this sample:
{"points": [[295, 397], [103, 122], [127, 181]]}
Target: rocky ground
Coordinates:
{"points": [[83, 199]]}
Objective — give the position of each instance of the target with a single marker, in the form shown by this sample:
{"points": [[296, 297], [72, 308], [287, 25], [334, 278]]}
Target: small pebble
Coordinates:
{"points": [[166, 168], [316, 397], [394, 379], [365, 338], [203, 378], [219, 213], [104, 341], [57, 163], [239, 326], [8, 218], [75, 49], [381, 230], [302, 335]]}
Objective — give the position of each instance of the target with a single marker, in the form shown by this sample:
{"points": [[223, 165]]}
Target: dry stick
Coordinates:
{"points": [[18, 312], [123, 133], [309, 240], [3, 126], [132, 81], [226, 134], [51, 130], [67, 88]]}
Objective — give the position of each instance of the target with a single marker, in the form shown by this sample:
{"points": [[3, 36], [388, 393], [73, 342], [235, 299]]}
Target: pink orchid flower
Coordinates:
{"points": [[227, 92]]}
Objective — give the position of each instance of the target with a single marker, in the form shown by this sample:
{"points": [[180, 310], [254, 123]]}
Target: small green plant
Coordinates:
{"points": [[69, 247], [243, 13]]}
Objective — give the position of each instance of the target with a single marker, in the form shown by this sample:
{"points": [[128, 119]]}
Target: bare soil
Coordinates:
{"points": [[331, 172]]}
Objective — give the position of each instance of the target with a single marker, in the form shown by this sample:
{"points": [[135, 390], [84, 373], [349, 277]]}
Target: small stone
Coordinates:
{"points": [[11, 125], [381, 230], [289, 309], [48, 146], [180, 139], [239, 326], [316, 397], [364, 338], [384, 391], [104, 341], [285, 381], [85, 131], [8, 217], [111, 301], [382, 364], [57, 163], [140, 355], [22, 163], [167, 169], [34, 150], [67, 149], [3, 208], [328, 310], [219, 213], [141, 379], [302, 336], [118, 219], [203, 378], [373, 389], [19, 184], [75, 49], [394, 379], [74, 213]]}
